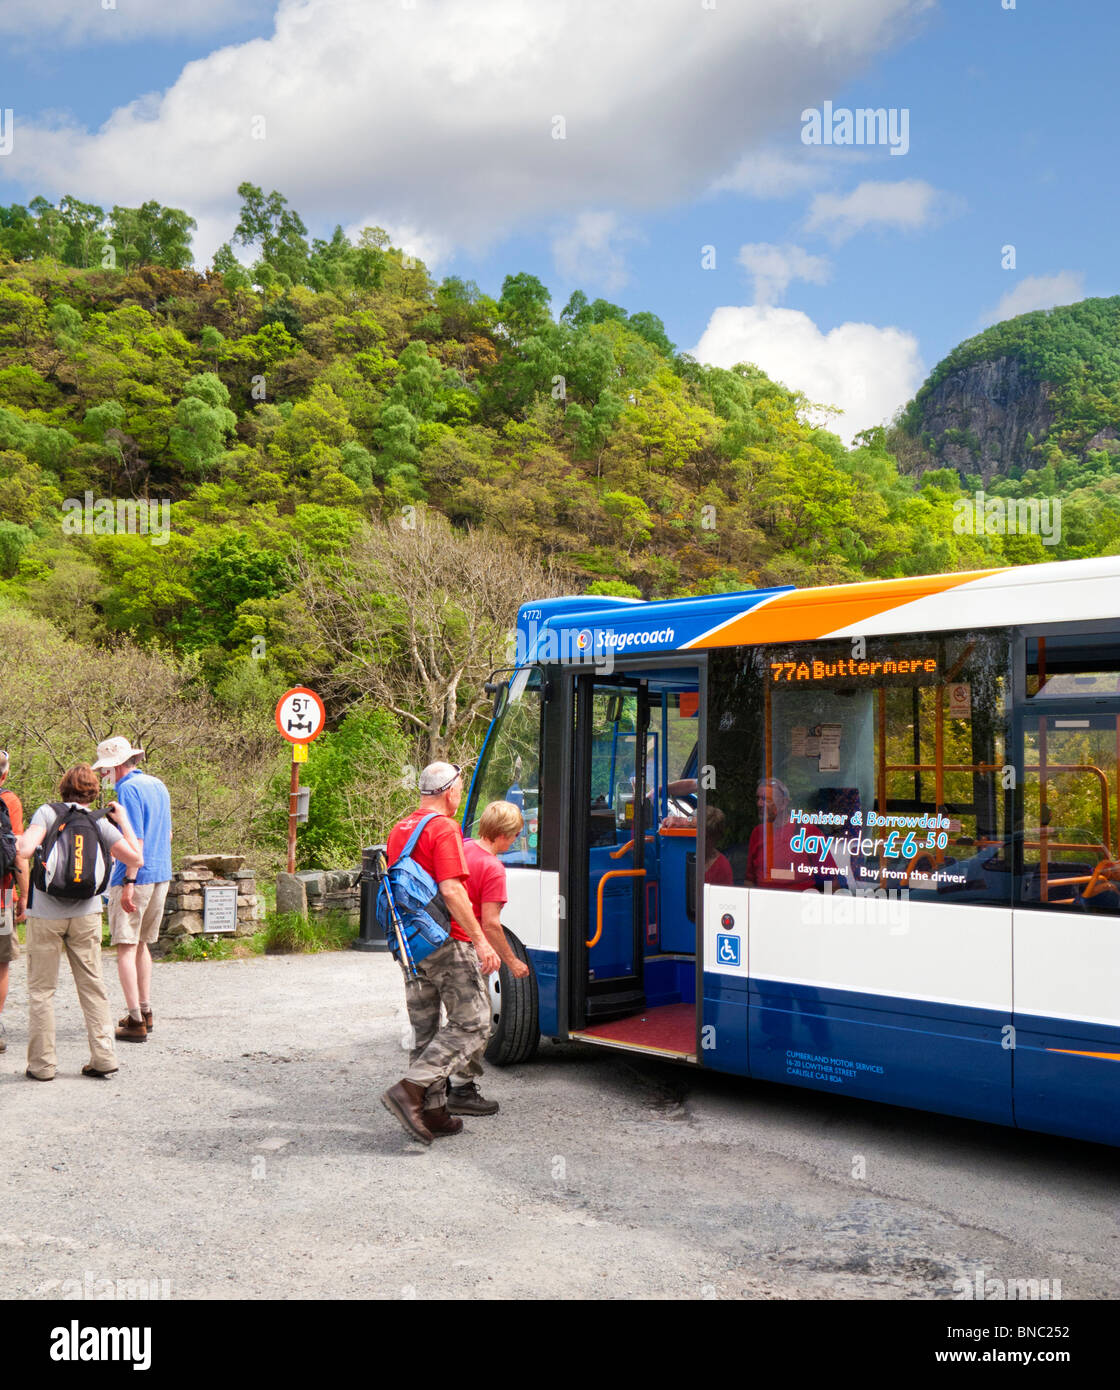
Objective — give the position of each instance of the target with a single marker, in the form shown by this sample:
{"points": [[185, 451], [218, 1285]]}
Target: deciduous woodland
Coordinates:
{"points": [[352, 474]]}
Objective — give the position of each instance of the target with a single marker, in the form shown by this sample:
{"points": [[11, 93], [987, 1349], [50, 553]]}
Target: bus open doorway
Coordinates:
{"points": [[633, 881]]}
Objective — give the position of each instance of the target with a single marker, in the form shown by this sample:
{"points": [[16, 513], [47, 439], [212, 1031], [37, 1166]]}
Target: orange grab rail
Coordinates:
{"points": [[629, 845], [611, 873]]}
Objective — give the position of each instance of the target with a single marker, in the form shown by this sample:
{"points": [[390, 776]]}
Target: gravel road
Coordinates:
{"points": [[241, 1152]]}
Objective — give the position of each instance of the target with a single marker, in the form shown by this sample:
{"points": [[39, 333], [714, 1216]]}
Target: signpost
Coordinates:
{"points": [[300, 717]]}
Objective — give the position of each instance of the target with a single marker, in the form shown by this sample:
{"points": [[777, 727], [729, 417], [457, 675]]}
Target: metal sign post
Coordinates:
{"points": [[300, 717]]}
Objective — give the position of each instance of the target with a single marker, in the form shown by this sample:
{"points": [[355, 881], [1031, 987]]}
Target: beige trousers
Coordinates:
{"points": [[81, 938]]}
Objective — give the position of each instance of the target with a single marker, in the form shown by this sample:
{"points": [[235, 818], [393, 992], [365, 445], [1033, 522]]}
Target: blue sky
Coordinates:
{"points": [[436, 121]]}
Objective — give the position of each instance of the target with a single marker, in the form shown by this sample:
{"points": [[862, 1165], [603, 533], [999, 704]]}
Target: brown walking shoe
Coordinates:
{"points": [[405, 1100], [128, 1030], [442, 1122], [149, 1021], [90, 1070], [469, 1100]]}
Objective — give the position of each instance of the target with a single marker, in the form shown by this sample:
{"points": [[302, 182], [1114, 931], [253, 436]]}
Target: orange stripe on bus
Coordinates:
{"points": [[1069, 1052], [810, 613]]}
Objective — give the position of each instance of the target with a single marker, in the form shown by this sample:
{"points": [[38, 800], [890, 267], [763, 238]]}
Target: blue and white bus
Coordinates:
{"points": [[860, 838]]}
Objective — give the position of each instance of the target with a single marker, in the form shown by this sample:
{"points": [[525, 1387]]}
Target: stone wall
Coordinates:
{"points": [[317, 891], [183, 911]]}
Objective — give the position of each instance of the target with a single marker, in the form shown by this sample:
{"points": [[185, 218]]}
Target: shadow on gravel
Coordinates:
{"points": [[972, 1142], [290, 1104]]}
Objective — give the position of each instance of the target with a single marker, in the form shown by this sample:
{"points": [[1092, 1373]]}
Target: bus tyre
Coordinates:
{"points": [[514, 1008]]}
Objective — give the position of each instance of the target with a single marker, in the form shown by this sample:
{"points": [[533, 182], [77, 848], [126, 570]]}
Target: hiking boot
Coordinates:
{"points": [[128, 1030], [441, 1122], [149, 1023], [469, 1100], [405, 1100]]}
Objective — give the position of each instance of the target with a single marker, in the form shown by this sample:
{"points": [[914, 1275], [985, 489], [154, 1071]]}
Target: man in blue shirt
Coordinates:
{"points": [[145, 802]]}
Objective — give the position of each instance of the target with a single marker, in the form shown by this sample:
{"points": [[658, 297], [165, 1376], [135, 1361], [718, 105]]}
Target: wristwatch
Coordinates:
{"points": [[130, 881]]}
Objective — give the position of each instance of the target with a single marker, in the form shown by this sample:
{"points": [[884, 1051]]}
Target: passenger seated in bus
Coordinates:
{"points": [[770, 859], [772, 862], [717, 866]]}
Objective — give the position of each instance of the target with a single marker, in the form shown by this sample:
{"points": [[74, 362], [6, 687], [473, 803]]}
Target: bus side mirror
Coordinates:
{"points": [[614, 709], [500, 692]]}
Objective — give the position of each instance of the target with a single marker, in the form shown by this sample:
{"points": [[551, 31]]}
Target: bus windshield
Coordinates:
{"points": [[509, 769]]}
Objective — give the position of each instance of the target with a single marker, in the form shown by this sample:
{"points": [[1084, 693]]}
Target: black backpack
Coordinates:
{"points": [[72, 861]]}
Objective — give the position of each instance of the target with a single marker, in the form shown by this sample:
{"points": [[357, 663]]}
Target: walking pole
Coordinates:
{"points": [[402, 939]]}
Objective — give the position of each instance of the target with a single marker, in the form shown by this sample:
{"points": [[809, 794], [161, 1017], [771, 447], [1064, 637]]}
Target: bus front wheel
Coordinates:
{"points": [[515, 1012]]}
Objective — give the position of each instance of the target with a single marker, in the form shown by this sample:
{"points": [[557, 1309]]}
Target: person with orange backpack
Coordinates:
{"points": [[13, 886]]}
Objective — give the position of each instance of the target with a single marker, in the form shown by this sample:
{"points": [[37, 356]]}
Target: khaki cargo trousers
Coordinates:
{"points": [[80, 937]]}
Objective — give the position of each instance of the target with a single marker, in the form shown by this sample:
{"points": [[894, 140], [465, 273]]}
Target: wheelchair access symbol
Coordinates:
{"points": [[727, 950]]}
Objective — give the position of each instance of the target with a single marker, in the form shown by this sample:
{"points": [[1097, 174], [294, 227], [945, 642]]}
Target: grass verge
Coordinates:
{"points": [[288, 932]]}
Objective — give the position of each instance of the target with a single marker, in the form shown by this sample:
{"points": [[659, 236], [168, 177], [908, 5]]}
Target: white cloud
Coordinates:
{"points": [[775, 267], [442, 115], [867, 372], [29, 22], [1038, 292], [906, 206], [592, 251], [768, 175]]}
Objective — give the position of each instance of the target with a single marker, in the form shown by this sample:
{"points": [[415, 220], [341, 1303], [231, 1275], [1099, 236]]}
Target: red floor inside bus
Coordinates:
{"points": [[671, 1029]]}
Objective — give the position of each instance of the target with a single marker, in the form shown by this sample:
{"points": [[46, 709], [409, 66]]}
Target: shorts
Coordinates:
{"points": [[9, 937], [129, 929]]}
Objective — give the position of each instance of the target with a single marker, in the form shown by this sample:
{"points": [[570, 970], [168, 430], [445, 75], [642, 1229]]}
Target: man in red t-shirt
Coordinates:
{"points": [[498, 827], [13, 905], [454, 975], [771, 862]]}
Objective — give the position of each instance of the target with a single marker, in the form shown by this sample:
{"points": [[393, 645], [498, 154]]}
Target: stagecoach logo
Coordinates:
{"points": [[541, 642]]}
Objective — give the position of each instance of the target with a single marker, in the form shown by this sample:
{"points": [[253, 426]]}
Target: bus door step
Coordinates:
{"points": [[601, 1007]]}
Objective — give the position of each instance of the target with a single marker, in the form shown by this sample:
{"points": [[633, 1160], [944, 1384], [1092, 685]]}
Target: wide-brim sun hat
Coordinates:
{"points": [[114, 751]]}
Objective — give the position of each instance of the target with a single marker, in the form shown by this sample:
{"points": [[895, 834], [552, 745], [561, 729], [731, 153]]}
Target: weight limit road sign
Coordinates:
{"points": [[300, 715]]}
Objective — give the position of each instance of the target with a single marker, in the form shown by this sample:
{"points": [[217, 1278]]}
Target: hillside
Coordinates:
{"points": [[332, 469], [1041, 389]]}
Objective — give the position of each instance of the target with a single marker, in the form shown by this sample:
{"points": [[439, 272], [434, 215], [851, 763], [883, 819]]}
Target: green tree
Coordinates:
{"points": [[523, 307], [278, 230], [14, 540], [84, 231], [203, 419], [151, 235]]}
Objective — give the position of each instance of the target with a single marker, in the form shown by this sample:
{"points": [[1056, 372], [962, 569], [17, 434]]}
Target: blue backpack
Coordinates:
{"points": [[409, 906]]}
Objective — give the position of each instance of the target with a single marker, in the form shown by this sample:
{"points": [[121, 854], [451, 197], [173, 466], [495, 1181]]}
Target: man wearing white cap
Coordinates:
{"points": [[148, 807], [452, 978]]}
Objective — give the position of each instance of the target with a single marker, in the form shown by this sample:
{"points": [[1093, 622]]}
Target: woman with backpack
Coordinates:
{"points": [[72, 846]]}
